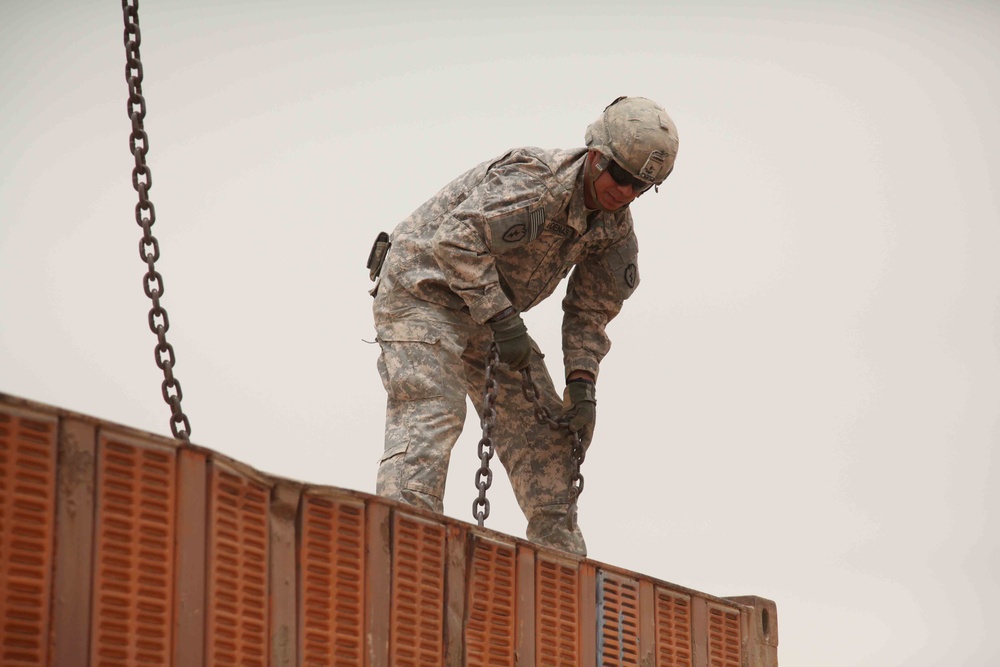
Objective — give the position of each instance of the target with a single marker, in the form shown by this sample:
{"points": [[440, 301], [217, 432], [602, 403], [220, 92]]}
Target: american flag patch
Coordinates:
{"points": [[536, 220]]}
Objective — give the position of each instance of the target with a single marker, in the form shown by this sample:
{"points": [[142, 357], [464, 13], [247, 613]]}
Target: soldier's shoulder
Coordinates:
{"points": [[623, 218], [621, 226], [556, 160], [561, 168], [545, 167]]}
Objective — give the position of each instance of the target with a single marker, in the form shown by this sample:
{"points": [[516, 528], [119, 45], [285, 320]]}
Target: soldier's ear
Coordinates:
{"points": [[600, 161]]}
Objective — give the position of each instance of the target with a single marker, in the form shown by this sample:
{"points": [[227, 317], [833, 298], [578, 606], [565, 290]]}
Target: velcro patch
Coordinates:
{"points": [[515, 233], [623, 262], [652, 166], [515, 229], [630, 275], [559, 230]]}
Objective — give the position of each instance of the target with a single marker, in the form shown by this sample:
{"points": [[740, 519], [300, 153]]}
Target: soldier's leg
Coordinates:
{"points": [[422, 372], [537, 459]]}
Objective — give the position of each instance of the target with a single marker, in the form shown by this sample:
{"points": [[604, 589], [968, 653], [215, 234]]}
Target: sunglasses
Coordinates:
{"points": [[623, 178]]}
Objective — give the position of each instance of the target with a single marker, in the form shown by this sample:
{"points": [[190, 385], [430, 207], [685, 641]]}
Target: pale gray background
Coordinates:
{"points": [[802, 399]]}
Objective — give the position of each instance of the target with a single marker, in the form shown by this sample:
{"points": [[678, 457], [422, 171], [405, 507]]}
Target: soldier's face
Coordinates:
{"points": [[610, 195]]}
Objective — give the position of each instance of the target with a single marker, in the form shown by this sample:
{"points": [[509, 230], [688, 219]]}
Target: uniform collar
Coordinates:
{"points": [[579, 215]]}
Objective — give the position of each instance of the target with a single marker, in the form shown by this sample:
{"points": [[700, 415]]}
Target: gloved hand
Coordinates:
{"points": [[582, 408], [511, 336]]}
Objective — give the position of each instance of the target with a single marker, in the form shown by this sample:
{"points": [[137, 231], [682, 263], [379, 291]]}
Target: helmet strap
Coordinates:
{"points": [[592, 173]]}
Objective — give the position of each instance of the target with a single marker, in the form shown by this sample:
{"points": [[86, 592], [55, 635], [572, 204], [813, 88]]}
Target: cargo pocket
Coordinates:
{"points": [[410, 365], [395, 450]]}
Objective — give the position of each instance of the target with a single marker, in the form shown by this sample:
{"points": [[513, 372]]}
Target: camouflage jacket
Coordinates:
{"points": [[506, 232]]}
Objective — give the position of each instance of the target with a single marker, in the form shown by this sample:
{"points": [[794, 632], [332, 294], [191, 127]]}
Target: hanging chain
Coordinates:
{"points": [[484, 476], [145, 215], [543, 416]]}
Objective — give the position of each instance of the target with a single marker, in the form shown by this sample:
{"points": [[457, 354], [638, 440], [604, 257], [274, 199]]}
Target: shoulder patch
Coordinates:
{"points": [[623, 262], [516, 228], [515, 233], [630, 275]]}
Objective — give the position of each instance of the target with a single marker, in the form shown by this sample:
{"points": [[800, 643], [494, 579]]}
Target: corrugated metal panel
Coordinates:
{"points": [[417, 615], [457, 576], [378, 583], [490, 607], [74, 539], [673, 629], [723, 637], [332, 571], [124, 548], [237, 570], [27, 511], [524, 625], [133, 577], [283, 568], [760, 631], [190, 559], [618, 612], [557, 613]]}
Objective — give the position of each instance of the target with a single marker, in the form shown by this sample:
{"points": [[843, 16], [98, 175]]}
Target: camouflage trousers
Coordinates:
{"points": [[432, 358]]}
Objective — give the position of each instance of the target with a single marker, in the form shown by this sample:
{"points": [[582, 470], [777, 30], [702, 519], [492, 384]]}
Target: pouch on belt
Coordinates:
{"points": [[376, 257]]}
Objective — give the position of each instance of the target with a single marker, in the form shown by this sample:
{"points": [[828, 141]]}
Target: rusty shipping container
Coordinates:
{"points": [[119, 547]]}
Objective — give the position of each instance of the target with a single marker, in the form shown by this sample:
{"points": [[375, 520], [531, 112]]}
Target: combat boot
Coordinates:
{"points": [[555, 526]]}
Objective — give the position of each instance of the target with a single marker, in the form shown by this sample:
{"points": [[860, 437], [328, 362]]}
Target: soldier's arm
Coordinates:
{"points": [[597, 289], [466, 240]]}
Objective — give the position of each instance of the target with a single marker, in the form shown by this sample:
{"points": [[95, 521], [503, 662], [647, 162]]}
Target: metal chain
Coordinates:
{"points": [[544, 416], [145, 215], [484, 476]]}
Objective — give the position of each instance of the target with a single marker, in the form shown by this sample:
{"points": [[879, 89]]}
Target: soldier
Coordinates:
{"points": [[459, 271]]}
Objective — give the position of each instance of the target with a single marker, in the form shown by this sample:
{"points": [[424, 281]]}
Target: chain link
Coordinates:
{"points": [[484, 476], [145, 216], [544, 416]]}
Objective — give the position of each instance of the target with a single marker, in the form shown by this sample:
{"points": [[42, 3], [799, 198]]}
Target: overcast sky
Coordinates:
{"points": [[802, 398]]}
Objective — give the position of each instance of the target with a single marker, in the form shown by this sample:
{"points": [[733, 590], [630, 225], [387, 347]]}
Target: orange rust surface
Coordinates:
{"points": [[237, 570], [673, 629], [619, 619], [332, 573], [73, 560], [490, 608], [27, 509], [119, 547], [724, 641], [557, 612], [134, 553], [417, 615], [190, 559]]}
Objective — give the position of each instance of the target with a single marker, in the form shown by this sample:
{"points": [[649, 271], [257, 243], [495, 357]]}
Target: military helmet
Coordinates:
{"points": [[637, 134]]}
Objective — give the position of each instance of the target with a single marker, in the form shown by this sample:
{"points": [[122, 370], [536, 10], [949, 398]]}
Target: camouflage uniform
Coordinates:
{"points": [[503, 234]]}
